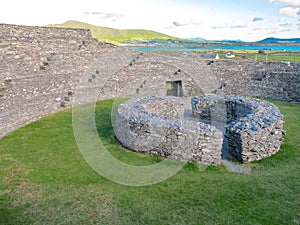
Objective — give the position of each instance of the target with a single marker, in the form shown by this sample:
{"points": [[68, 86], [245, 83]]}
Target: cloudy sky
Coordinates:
{"points": [[247, 20]]}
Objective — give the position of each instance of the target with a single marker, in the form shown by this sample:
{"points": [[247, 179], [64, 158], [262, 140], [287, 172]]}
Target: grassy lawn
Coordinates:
{"points": [[272, 56], [45, 180], [249, 55]]}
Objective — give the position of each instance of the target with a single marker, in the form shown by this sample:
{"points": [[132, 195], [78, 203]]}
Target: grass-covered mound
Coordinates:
{"points": [[116, 36], [45, 180]]}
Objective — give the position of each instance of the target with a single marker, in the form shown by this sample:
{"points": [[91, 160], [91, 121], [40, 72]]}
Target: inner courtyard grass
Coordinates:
{"points": [[45, 180]]}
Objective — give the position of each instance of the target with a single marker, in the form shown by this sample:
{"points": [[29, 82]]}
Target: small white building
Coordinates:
{"points": [[184, 54], [230, 55]]}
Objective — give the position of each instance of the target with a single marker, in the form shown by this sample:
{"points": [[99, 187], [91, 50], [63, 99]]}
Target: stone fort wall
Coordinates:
{"points": [[275, 80], [41, 67]]}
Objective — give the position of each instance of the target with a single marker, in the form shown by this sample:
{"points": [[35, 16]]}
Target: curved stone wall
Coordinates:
{"points": [[253, 128], [155, 125], [274, 80], [41, 68], [144, 77]]}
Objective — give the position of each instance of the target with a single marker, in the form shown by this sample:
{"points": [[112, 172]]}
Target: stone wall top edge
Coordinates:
{"points": [[252, 121], [42, 27], [133, 110]]}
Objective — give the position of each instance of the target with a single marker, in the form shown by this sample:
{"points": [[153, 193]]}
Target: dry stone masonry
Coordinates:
{"points": [[253, 128], [155, 125], [144, 77], [275, 80], [41, 69]]}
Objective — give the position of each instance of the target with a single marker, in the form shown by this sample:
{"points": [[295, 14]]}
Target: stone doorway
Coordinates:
{"points": [[174, 88]]}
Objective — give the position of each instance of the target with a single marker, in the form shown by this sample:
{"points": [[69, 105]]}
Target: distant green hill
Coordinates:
{"points": [[280, 40], [115, 36]]}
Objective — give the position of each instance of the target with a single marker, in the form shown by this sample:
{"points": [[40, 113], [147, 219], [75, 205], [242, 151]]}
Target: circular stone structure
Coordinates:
{"points": [[155, 125], [248, 129], [253, 128]]}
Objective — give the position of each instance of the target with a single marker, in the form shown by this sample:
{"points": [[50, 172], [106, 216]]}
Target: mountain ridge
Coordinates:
{"points": [[115, 36], [278, 40], [120, 36]]}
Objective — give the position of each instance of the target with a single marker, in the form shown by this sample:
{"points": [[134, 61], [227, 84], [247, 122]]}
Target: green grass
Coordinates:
{"points": [[116, 36], [45, 180], [288, 57], [249, 55], [274, 56]]}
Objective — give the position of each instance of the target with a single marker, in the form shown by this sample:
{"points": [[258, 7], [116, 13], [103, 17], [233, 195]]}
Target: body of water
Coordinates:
{"points": [[257, 47], [219, 47]]}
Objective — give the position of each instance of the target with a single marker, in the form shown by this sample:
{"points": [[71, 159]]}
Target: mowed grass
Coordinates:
{"points": [[45, 180]]}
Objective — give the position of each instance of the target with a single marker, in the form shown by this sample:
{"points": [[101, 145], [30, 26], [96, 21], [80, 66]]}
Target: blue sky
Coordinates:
{"points": [[247, 20]]}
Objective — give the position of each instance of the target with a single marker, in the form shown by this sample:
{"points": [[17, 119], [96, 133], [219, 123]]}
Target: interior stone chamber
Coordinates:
{"points": [[235, 127]]}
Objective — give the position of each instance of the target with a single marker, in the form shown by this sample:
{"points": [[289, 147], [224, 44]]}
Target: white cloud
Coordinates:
{"points": [[290, 11], [179, 24], [256, 19], [285, 24], [216, 27], [230, 26], [104, 16], [289, 2], [290, 8], [282, 19], [191, 21], [237, 26]]}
